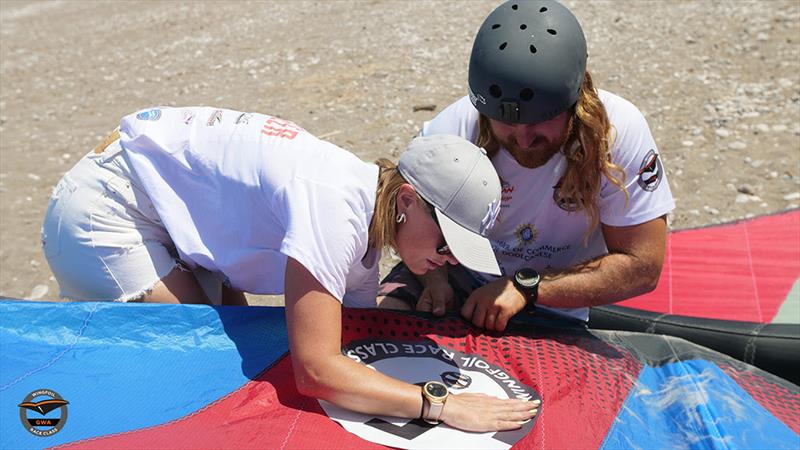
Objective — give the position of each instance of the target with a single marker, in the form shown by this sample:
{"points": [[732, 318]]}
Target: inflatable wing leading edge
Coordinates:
{"points": [[103, 375]]}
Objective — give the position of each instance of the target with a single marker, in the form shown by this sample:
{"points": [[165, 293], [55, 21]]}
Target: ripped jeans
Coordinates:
{"points": [[101, 235]]}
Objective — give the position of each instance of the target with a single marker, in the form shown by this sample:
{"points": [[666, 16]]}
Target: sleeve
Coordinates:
{"points": [[459, 119], [634, 150], [320, 232]]}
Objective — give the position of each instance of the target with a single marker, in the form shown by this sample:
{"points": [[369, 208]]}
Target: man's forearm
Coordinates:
{"points": [[601, 281]]}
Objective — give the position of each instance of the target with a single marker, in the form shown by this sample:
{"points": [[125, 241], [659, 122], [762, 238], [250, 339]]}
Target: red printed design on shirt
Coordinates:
{"points": [[280, 128]]}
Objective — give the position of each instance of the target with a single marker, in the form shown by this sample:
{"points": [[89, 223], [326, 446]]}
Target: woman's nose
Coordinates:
{"points": [[449, 259]]}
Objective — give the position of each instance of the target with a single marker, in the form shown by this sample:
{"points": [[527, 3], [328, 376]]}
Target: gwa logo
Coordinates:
{"points": [[418, 363]]}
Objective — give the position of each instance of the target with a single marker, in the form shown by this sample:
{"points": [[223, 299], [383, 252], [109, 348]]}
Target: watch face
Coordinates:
{"points": [[436, 389], [527, 277]]}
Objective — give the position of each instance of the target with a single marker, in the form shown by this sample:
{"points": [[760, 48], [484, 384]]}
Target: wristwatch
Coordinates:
{"points": [[526, 280], [435, 395]]}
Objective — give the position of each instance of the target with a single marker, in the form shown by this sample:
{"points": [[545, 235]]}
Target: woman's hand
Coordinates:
{"points": [[483, 413]]}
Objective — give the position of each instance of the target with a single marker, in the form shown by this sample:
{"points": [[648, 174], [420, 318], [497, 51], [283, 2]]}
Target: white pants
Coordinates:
{"points": [[102, 236]]}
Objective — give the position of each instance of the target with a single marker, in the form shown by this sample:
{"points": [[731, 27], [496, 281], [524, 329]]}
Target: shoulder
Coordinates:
{"points": [[459, 118], [629, 127], [621, 112]]}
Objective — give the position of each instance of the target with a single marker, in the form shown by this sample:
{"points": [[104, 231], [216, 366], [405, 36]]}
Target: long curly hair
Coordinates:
{"points": [[586, 149]]}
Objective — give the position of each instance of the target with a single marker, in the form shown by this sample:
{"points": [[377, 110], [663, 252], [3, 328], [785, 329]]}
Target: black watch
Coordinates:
{"points": [[526, 280]]}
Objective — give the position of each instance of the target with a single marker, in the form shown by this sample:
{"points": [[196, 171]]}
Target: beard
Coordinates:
{"points": [[538, 153]]}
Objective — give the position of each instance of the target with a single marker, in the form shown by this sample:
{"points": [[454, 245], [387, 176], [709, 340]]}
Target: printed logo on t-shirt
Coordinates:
{"points": [[188, 116], [280, 128], [650, 171], [507, 193], [152, 114], [568, 204], [243, 118], [526, 234], [216, 117]]}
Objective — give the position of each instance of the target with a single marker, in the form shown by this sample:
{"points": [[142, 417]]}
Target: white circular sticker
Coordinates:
{"points": [[418, 363]]}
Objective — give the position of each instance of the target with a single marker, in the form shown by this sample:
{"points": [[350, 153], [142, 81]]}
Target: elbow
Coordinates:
{"points": [[649, 276], [310, 379]]}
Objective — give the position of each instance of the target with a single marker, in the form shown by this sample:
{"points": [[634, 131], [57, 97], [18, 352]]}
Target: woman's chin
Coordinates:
{"points": [[418, 269]]}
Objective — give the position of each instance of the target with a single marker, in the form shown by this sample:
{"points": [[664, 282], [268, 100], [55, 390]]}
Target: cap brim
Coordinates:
{"points": [[470, 249]]}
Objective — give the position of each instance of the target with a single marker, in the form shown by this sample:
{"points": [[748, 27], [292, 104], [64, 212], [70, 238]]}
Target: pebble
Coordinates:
{"points": [[38, 291], [723, 133], [745, 189], [792, 196], [762, 128], [687, 143], [737, 145], [779, 128]]}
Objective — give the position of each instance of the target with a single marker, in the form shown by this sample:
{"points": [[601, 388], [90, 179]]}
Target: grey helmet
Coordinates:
{"points": [[528, 62]]}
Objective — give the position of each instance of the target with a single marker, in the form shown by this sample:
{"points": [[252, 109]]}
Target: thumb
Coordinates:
{"points": [[439, 304], [424, 301]]}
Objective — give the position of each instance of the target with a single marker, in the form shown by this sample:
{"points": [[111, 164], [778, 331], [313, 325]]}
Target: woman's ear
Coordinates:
{"points": [[406, 196]]}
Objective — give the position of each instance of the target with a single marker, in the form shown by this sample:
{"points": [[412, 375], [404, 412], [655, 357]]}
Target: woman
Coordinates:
{"points": [[268, 208]]}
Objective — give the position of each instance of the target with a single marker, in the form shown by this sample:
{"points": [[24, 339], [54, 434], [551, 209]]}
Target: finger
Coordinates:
{"points": [[492, 313], [469, 307], [521, 416], [479, 315], [512, 405], [490, 321], [502, 321], [424, 302], [504, 425], [439, 305]]}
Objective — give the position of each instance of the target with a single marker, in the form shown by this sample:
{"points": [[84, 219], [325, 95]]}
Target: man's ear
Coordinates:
{"points": [[406, 196]]}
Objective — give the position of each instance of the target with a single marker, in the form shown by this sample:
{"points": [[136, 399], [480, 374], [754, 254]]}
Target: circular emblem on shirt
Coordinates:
{"points": [[650, 171], [526, 234], [152, 114], [568, 204]]}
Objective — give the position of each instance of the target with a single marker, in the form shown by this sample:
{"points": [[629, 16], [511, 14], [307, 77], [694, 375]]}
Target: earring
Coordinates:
{"points": [[401, 218]]}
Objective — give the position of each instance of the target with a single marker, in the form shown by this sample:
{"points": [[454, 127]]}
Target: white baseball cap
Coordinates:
{"points": [[458, 179]]}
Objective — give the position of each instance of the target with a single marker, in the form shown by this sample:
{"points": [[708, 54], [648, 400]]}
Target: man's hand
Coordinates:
{"points": [[438, 298], [492, 305]]}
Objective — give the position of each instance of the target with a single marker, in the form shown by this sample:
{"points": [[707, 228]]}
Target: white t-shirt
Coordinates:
{"points": [[532, 230], [239, 192]]}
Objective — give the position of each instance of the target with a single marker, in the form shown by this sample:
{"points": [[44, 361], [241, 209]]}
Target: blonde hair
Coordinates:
{"points": [[383, 227], [586, 149]]}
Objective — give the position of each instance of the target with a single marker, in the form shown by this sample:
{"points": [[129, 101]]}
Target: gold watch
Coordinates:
{"points": [[435, 395]]}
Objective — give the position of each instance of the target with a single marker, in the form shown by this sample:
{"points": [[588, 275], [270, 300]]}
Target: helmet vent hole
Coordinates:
{"points": [[533, 48], [551, 31], [523, 26], [514, 7], [495, 91], [495, 26], [503, 45], [543, 9], [526, 94]]}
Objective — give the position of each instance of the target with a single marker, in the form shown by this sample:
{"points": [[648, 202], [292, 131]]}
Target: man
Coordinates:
{"points": [[585, 197]]}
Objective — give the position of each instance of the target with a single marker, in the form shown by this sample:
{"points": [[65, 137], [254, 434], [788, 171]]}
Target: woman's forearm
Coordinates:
{"points": [[334, 378]]}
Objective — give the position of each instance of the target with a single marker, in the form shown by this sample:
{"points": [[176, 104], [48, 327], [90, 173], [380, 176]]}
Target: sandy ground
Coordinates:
{"points": [[719, 82]]}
